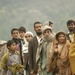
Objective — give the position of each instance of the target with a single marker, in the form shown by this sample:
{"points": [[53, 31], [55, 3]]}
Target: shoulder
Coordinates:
{"points": [[4, 60], [33, 39], [67, 42], [6, 54], [18, 52], [5, 57]]}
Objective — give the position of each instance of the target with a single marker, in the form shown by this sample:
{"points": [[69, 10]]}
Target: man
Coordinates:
{"points": [[72, 56], [16, 37], [70, 26], [22, 32], [33, 44], [42, 56]]}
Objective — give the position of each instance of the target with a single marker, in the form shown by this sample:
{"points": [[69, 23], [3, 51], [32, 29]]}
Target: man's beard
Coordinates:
{"points": [[74, 30], [39, 33], [71, 29]]}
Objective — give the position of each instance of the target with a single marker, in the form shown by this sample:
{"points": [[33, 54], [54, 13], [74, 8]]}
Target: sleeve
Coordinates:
{"points": [[3, 49], [30, 49], [51, 51], [72, 57], [4, 61], [40, 58]]}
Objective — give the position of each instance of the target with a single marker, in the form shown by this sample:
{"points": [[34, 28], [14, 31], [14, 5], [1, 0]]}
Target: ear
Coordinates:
{"points": [[8, 47]]}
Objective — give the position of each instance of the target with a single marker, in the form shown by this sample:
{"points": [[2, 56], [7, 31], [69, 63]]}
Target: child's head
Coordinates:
{"points": [[15, 33], [22, 31], [11, 45], [28, 36]]}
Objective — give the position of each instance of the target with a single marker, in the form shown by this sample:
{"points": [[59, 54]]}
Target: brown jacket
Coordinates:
{"points": [[33, 44]]}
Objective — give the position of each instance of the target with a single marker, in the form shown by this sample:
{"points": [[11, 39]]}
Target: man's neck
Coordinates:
{"points": [[39, 36], [70, 32]]}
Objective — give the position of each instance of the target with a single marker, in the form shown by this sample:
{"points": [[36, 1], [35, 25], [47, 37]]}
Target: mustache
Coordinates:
{"points": [[39, 30]]}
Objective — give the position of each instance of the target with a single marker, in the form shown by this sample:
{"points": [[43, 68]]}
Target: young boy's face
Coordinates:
{"points": [[28, 37], [22, 34], [15, 34], [12, 47]]}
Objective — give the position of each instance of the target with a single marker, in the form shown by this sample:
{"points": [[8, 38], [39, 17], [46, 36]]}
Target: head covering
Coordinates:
{"points": [[45, 28], [58, 34], [29, 32]]}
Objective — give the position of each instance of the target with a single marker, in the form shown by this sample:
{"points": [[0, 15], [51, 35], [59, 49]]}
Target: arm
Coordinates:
{"points": [[3, 72], [3, 63], [30, 49], [40, 61]]}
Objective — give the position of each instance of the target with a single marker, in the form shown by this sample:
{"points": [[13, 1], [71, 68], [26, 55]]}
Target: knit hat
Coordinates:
{"points": [[29, 32], [45, 28]]}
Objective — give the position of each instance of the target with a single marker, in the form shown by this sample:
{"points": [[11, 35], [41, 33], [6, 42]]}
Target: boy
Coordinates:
{"points": [[22, 32], [11, 62], [16, 38]]}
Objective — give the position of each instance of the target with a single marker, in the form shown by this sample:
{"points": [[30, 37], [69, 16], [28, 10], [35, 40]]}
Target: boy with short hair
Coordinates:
{"points": [[11, 62], [16, 38], [22, 32]]}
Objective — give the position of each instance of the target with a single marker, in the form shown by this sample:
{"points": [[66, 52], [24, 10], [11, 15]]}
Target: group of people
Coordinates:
{"points": [[46, 53]]}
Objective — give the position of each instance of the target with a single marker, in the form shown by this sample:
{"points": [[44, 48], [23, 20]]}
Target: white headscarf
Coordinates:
{"points": [[29, 32]]}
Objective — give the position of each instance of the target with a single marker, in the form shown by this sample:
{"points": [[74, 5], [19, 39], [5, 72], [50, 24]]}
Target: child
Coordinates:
{"points": [[11, 62], [28, 36]]}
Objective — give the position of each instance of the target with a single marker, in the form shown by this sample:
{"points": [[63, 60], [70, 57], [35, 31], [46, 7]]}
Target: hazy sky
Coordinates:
{"points": [[16, 13]]}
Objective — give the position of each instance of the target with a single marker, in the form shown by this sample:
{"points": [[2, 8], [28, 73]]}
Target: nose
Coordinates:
{"points": [[39, 27], [46, 34]]}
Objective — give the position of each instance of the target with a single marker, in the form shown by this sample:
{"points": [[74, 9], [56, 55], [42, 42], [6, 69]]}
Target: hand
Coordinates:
{"points": [[31, 72], [39, 69]]}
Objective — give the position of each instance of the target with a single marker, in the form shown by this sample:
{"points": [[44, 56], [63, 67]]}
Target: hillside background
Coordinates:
{"points": [[16, 13]]}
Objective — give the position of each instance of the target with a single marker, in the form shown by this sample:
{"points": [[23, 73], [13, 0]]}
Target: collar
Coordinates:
{"points": [[10, 53], [38, 38]]}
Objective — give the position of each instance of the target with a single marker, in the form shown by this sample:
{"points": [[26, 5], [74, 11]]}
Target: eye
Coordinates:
{"points": [[27, 36]]}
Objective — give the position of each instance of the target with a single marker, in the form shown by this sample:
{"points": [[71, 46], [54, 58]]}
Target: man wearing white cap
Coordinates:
{"points": [[43, 52]]}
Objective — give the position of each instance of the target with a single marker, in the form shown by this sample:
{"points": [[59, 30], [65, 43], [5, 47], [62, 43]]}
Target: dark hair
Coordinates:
{"points": [[37, 23], [70, 21], [13, 30], [50, 23], [10, 42], [22, 29], [58, 34]]}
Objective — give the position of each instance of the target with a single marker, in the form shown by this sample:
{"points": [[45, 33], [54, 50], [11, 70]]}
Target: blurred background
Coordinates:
{"points": [[16, 13]]}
